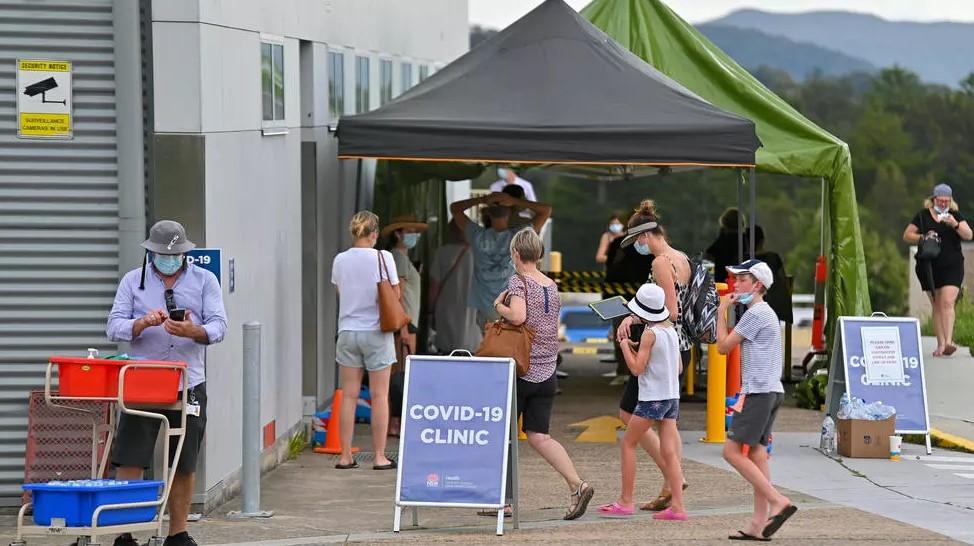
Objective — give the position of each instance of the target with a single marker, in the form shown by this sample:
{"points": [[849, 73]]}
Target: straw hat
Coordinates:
{"points": [[405, 221]]}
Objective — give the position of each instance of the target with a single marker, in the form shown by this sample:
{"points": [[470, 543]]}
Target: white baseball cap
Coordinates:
{"points": [[759, 269]]}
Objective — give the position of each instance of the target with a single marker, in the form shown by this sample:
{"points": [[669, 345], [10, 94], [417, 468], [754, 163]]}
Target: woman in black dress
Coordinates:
{"points": [[941, 277]]}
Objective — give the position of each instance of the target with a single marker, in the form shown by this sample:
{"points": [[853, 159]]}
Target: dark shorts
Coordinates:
{"points": [[135, 439], [657, 410], [932, 277], [534, 403], [630, 396], [753, 424]]}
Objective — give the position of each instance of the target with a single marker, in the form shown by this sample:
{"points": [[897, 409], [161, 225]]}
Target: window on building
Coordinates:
{"points": [[361, 85], [424, 72], [272, 80], [406, 81], [336, 84], [385, 81]]}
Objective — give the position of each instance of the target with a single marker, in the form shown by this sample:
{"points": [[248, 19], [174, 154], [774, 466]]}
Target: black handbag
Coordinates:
{"points": [[929, 246]]}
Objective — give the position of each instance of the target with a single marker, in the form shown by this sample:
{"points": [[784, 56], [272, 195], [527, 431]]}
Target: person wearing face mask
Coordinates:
{"points": [[942, 276], [759, 335], [615, 230], [507, 177], [362, 346], [404, 233], [143, 315], [492, 266]]}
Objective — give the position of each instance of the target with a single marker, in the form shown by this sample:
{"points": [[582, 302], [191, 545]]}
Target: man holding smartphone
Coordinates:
{"points": [[167, 310]]}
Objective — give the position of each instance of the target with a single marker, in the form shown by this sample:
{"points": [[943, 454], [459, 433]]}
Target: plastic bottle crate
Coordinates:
{"points": [[98, 378], [75, 501]]}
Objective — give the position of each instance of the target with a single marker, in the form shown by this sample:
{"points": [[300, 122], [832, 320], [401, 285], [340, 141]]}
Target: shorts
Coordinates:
{"points": [[932, 277], [657, 410], [372, 350], [534, 403], [135, 439], [630, 396], [753, 424]]}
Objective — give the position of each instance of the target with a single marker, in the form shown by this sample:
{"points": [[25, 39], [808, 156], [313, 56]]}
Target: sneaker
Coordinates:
{"points": [[179, 539], [125, 539]]}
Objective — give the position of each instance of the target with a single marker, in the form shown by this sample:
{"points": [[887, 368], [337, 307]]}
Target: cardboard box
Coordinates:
{"points": [[865, 439]]}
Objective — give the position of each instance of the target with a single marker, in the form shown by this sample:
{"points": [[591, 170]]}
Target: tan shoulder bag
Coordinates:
{"points": [[392, 316]]}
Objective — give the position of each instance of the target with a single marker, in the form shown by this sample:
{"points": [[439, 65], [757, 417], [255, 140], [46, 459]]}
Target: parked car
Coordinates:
{"points": [[580, 324]]}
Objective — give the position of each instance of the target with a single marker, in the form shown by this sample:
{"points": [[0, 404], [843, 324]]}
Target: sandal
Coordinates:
{"points": [[662, 502], [670, 515], [949, 349], [580, 499], [616, 510]]}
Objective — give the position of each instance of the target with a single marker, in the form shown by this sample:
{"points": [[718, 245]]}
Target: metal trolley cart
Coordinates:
{"points": [[142, 388]]}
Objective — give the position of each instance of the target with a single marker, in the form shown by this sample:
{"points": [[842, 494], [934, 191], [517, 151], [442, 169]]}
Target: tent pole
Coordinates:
{"points": [[753, 182], [358, 184], [740, 216], [821, 244]]}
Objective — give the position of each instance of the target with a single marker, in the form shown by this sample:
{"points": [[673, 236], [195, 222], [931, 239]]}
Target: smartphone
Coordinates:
{"points": [[177, 314]]}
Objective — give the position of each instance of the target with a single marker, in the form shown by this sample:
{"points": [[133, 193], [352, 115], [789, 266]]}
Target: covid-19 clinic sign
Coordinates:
{"points": [[456, 427]]}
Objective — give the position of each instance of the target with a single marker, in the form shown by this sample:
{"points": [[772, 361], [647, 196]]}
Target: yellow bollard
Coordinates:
{"points": [[520, 429], [716, 384], [692, 371]]}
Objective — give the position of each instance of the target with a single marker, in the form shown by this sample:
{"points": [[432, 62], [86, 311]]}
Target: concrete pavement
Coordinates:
{"points": [[317, 504], [949, 384]]}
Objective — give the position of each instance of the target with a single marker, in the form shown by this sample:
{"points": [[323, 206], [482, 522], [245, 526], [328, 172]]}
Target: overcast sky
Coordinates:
{"points": [[500, 13]]}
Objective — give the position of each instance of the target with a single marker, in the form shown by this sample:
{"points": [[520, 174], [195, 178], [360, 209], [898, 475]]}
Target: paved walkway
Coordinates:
{"points": [[950, 382], [317, 504]]}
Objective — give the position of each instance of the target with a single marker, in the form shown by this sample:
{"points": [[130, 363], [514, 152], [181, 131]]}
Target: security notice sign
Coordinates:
{"points": [[44, 99]]}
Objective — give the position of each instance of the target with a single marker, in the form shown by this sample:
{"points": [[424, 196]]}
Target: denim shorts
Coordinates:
{"points": [[373, 350], [657, 410]]}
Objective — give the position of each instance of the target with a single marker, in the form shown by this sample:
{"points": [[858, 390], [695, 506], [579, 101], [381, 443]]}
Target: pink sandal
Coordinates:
{"points": [[670, 515], [616, 510]]}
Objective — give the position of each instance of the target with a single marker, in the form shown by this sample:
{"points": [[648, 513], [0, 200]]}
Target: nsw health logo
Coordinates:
{"points": [[432, 480]]}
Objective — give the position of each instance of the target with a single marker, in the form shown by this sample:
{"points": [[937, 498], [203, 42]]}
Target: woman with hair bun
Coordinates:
{"points": [[362, 345]]}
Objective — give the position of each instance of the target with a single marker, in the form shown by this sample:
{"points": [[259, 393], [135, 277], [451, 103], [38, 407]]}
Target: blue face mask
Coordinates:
{"points": [[167, 264], [615, 227], [745, 298], [410, 239], [641, 248]]}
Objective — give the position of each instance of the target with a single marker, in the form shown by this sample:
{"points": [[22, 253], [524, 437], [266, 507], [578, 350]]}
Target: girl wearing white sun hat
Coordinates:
{"points": [[656, 364]]}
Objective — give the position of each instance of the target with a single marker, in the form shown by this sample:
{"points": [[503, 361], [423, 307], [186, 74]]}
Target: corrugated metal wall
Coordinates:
{"points": [[58, 210]]}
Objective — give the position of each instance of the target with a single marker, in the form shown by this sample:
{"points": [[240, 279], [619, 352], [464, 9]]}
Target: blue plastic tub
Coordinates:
{"points": [[75, 501]]}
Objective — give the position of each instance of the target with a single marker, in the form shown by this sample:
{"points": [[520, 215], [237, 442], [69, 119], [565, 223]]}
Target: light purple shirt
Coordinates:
{"points": [[196, 290]]}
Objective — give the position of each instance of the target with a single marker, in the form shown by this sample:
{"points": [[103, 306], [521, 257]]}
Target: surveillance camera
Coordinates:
{"points": [[42, 86]]}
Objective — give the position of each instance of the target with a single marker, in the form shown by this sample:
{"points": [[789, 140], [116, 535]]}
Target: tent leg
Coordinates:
{"points": [[358, 185], [740, 217], [753, 182]]}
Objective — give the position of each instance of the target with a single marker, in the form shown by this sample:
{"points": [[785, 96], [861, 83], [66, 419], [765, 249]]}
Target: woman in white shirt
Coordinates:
{"points": [[362, 345]]}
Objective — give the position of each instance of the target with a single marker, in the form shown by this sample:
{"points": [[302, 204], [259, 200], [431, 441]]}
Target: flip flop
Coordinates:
{"points": [[353, 464], [670, 515], [616, 510], [776, 521], [950, 349], [741, 535], [388, 466]]}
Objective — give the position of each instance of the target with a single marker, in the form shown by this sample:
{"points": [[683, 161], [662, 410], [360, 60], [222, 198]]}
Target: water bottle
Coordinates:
{"points": [[827, 441]]}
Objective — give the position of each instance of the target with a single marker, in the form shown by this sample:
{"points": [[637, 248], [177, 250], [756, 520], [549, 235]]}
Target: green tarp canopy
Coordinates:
{"points": [[792, 144]]}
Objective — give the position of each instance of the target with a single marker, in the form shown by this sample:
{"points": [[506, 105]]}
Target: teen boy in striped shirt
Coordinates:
{"points": [[759, 335]]}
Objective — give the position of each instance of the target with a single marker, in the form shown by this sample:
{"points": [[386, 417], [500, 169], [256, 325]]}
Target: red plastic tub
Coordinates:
{"points": [[98, 378]]}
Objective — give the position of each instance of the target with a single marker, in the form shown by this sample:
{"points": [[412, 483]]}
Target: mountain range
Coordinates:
{"points": [[836, 42]]}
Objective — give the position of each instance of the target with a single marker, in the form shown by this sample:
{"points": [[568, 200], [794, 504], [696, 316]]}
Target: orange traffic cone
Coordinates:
{"points": [[333, 436]]}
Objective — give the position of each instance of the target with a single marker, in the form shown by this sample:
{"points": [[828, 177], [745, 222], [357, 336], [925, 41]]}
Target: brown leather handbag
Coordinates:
{"points": [[392, 316], [503, 339]]}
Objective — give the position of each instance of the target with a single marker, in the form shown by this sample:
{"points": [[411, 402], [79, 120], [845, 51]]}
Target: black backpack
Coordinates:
{"points": [[698, 312]]}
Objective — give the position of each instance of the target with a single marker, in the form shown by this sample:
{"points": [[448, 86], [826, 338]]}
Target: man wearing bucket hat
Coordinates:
{"points": [[759, 334], [168, 310]]}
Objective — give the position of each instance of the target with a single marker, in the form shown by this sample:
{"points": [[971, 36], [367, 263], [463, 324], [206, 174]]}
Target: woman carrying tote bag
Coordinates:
{"points": [[534, 302], [365, 278]]}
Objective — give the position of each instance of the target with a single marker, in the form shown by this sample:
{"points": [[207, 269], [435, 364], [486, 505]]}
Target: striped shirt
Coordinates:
{"points": [[761, 356]]}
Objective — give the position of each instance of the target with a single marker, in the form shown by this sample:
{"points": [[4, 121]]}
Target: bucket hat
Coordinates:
{"points": [[405, 221], [168, 237], [649, 303], [759, 269]]}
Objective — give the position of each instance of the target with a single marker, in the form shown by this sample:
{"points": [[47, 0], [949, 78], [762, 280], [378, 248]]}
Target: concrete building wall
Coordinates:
{"points": [[919, 301], [207, 82]]}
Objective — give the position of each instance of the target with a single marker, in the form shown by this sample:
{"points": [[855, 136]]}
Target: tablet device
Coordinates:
{"points": [[610, 308]]}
